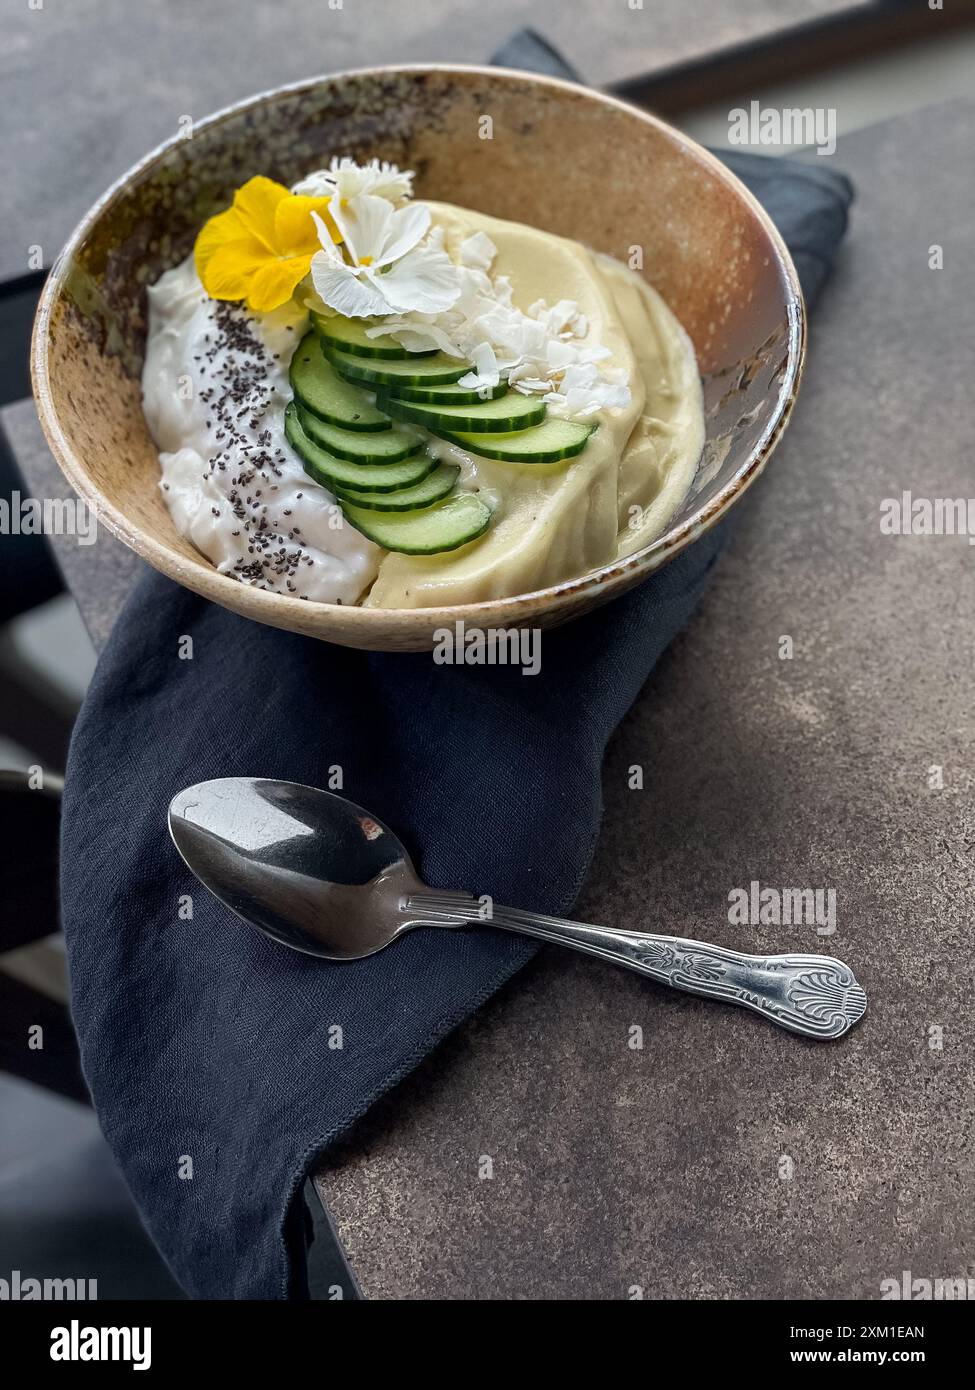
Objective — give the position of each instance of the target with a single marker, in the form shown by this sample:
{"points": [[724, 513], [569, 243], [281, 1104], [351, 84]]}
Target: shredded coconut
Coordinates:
{"points": [[545, 351]]}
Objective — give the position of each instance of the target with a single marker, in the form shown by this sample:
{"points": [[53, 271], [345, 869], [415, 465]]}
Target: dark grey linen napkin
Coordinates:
{"points": [[206, 1046]]}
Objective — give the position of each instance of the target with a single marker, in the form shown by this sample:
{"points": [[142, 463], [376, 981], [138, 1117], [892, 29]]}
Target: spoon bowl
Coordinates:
{"points": [[306, 867]]}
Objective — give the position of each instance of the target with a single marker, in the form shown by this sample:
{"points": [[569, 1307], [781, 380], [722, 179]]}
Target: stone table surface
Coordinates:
{"points": [[90, 86], [725, 1158]]}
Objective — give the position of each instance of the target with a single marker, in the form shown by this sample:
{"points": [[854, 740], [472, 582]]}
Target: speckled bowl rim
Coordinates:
{"points": [[277, 608]]}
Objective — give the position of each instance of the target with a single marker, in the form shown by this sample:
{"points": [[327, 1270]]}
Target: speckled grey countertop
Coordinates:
{"points": [[726, 1158]]}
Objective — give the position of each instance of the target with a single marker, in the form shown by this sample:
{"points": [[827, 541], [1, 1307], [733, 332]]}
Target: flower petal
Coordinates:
{"points": [[424, 281], [231, 267], [295, 233], [348, 179], [363, 223], [329, 247], [339, 287], [224, 227], [382, 179], [275, 282], [405, 229], [256, 202]]}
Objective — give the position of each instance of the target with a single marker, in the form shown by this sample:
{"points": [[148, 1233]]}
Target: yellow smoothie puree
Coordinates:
{"points": [[557, 521]]}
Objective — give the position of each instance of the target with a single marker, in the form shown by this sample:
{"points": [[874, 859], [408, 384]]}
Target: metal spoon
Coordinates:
{"points": [[321, 875]]}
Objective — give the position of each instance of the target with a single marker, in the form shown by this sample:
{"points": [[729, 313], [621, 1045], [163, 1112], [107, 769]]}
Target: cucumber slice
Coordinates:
{"points": [[389, 446], [444, 526], [350, 335], [406, 499], [511, 412], [336, 473], [450, 395], [546, 443], [438, 370], [321, 390]]}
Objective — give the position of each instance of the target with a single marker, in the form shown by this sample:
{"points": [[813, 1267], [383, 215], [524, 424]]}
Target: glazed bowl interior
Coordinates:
{"points": [[560, 158]]}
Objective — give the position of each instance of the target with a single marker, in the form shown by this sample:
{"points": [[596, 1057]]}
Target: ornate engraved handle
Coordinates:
{"points": [[816, 996]]}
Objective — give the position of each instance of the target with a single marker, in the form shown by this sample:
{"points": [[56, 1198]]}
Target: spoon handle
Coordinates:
{"points": [[816, 996]]}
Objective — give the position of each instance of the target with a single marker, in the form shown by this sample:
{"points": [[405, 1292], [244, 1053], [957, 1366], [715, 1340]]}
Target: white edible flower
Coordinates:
{"points": [[387, 270], [347, 179]]}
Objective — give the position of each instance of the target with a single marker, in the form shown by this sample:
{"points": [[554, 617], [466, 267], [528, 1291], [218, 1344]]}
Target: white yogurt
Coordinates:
{"points": [[214, 388]]}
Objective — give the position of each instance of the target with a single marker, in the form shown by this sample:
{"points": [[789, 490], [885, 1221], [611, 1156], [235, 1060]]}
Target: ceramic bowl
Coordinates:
{"points": [[562, 158]]}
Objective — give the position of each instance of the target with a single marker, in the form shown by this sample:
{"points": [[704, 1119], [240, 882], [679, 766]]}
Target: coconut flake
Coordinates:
{"points": [[478, 251], [486, 373]]}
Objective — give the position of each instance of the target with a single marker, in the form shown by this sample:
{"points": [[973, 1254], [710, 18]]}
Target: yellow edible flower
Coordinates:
{"points": [[260, 249]]}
